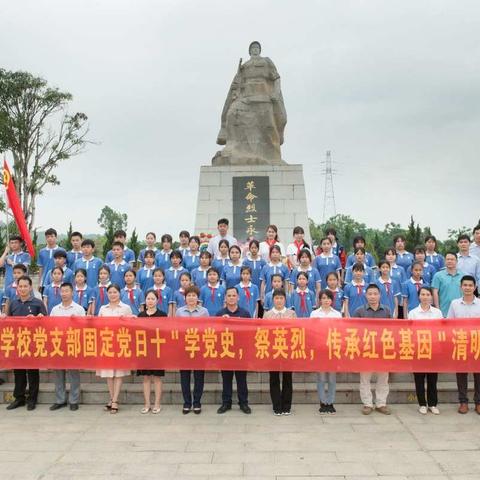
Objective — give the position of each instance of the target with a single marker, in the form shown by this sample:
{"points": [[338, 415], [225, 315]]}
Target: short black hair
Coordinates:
{"points": [[372, 286], [87, 242], [223, 221], [166, 237], [60, 254], [332, 231], [120, 233], [76, 234], [213, 269], [231, 288], [451, 253], [176, 254], [116, 286], [184, 233], [50, 231], [358, 238], [469, 278], [279, 292], [25, 278], [358, 267], [463, 236], [15, 237], [327, 293], [476, 228], [118, 244], [20, 266], [67, 284]]}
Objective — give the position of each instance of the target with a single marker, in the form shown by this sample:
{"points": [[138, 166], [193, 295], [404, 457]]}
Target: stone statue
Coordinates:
{"points": [[254, 116]]}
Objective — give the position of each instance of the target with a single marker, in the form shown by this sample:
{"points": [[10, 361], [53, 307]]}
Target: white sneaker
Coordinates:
{"points": [[434, 410], [423, 410]]}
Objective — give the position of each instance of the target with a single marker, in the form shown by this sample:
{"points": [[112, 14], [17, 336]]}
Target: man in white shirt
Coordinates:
{"points": [[468, 306], [475, 245], [68, 308], [222, 226]]}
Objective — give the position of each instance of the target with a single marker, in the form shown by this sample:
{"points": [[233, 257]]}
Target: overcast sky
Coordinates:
{"points": [[391, 88]]}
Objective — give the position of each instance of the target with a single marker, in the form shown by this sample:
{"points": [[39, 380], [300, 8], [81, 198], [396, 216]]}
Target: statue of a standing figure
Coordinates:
{"points": [[254, 116]]}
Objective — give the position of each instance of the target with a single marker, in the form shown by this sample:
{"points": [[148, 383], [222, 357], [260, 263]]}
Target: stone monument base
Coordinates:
{"points": [[288, 204]]}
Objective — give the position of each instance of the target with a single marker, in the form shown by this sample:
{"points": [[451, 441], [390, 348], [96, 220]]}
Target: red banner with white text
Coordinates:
{"points": [[308, 345]]}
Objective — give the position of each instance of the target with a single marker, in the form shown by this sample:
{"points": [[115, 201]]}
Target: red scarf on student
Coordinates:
{"points": [[247, 293], [270, 243], [299, 246], [303, 301]]}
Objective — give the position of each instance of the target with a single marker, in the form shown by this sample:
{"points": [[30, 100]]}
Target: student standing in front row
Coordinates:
{"points": [[354, 292], [26, 305], [132, 294], [333, 281], [277, 284], [179, 295], [82, 293], [390, 290], [373, 309], [232, 310], [99, 293], [468, 306], [326, 399], [281, 396], [192, 309], [151, 311], [302, 299], [411, 288], [67, 308], [51, 293], [164, 293], [426, 311]]}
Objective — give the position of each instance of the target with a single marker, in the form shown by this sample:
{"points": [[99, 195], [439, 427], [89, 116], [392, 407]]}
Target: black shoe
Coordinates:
{"points": [[186, 410], [223, 408], [197, 410], [73, 407], [16, 404], [31, 406], [331, 409], [245, 408], [58, 406], [2, 381], [323, 409]]}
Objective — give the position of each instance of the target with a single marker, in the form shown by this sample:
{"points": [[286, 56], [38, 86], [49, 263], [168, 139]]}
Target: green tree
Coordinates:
{"points": [[66, 243], [133, 243], [110, 221], [37, 129]]}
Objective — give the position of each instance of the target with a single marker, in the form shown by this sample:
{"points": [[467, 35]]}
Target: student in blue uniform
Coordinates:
{"points": [[428, 269], [277, 284], [150, 241], [14, 255], [248, 292], [145, 273], [354, 292], [411, 288], [51, 293], [99, 292], [184, 240], [10, 292], [333, 285], [132, 294], [191, 259], [337, 249], [360, 242], [163, 256], [274, 266], [179, 295], [76, 252], [396, 272], [231, 271], [404, 258], [436, 260], [254, 261], [199, 275], [89, 262], [164, 293], [118, 266], [212, 295], [326, 262], [172, 274], [60, 259], [390, 290], [305, 265], [222, 259], [369, 275], [82, 293], [128, 254], [302, 300], [45, 260]]}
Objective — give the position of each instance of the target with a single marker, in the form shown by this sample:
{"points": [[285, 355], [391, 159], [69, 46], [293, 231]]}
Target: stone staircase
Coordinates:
{"points": [[94, 389]]}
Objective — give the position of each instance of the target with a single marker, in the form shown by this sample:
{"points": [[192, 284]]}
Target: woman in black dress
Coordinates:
{"points": [[151, 310]]}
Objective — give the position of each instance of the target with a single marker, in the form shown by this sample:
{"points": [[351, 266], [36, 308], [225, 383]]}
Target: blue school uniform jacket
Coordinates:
{"points": [[248, 297], [212, 298], [356, 296], [304, 308], [92, 267]]}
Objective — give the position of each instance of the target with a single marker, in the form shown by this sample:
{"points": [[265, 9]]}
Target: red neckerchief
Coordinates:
{"points": [[270, 243], [131, 296], [212, 289], [247, 293], [160, 298], [80, 293], [303, 301], [299, 246], [387, 287], [418, 285], [102, 293]]}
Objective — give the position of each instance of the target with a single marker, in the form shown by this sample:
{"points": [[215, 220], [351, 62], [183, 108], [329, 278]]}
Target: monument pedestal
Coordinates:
{"points": [[283, 204]]}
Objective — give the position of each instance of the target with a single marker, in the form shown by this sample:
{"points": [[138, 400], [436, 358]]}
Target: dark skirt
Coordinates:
{"points": [[155, 373]]}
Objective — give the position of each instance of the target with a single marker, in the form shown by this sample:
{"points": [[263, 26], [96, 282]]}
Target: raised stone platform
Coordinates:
{"points": [[94, 389], [288, 205]]}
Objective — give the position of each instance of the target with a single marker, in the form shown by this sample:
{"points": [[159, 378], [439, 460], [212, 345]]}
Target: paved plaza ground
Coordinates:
{"points": [[94, 445]]}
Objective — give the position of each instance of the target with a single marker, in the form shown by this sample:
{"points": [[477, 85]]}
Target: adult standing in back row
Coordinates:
{"points": [[222, 226]]}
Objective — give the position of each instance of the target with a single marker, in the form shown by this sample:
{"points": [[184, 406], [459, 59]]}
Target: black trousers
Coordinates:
{"points": [[198, 383], [281, 396], [432, 396], [242, 388], [21, 377], [462, 386]]}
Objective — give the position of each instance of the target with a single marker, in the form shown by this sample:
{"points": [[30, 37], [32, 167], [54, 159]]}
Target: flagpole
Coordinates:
{"points": [[7, 236]]}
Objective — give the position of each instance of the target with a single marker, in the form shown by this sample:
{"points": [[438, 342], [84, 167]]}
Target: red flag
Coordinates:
{"points": [[15, 207]]}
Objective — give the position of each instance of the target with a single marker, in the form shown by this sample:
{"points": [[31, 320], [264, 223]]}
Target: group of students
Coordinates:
{"points": [[258, 279]]}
